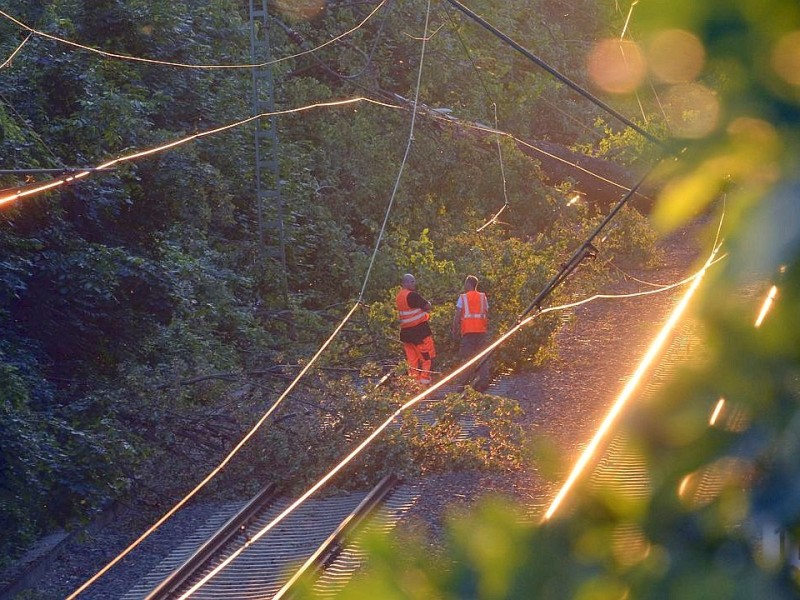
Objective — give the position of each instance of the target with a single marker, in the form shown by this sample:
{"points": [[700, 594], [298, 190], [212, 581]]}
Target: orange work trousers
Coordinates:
{"points": [[420, 359]]}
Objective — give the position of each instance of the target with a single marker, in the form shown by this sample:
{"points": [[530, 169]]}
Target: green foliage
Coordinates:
{"points": [[312, 432], [144, 328], [50, 468], [440, 449]]}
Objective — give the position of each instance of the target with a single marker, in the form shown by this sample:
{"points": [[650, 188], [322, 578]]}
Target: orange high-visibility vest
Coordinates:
{"points": [[474, 312], [409, 317]]}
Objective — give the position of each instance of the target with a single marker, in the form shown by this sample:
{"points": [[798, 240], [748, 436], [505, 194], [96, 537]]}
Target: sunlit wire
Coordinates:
{"points": [[644, 365], [15, 52], [322, 482], [625, 57], [28, 126], [427, 38], [628, 19], [558, 75], [35, 189], [493, 220], [488, 94], [653, 89], [371, 54], [767, 305], [717, 411], [167, 63], [636, 279]]}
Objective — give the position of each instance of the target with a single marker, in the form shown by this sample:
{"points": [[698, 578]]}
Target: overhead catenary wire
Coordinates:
{"points": [[167, 63], [542, 98], [558, 75], [455, 122], [625, 56], [626, 31], [506, 203], [405, 155], [583, 250], [298, 39], [294, 382], [24, 191], [49, 171], [633, 278], [27, 125], [7, 61], [35, 189]]}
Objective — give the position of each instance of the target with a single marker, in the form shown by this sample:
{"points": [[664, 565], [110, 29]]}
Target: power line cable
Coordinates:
{"points": [[405, 155], [167, 63], [555, 73], [15, 52], [47, 171], [630, 386], [492, 102], [506, 203], [371, 54], [542, 98], [32, 190], [483, 128], [298, 39], [387, 96], [586, 249], [30, 128], [656, 95]]}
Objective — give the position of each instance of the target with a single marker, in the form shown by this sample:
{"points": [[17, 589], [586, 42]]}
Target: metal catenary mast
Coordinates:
{"points": [[270, 202]]}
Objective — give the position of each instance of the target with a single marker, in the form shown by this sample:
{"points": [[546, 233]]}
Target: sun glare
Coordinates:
{"points": [[633, 383]]}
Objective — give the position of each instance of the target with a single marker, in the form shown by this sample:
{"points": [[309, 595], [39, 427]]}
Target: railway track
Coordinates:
{"points": [[313, 536], [317, 540]]}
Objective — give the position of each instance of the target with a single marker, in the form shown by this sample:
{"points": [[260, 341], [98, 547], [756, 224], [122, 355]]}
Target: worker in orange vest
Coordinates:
{"points": [[415, 332], [471, 325]]}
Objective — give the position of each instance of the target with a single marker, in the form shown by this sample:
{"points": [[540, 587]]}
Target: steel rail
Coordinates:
{"points": [[212, 546], [332, 546]]}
